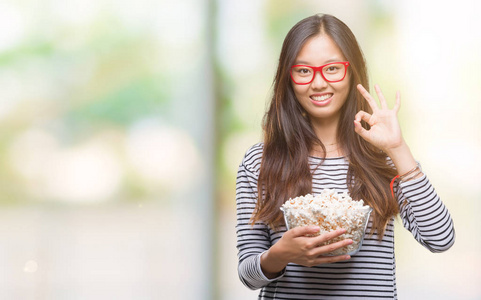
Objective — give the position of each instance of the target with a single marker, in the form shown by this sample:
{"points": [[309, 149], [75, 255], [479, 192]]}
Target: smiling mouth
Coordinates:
{"points": [[321, 98]]}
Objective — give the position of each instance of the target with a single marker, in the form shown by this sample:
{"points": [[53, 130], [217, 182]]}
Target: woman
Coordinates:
{"points": [[324, 130]]}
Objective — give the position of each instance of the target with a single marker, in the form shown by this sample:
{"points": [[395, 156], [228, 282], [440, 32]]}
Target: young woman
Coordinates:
{"points": [[324, 130]]}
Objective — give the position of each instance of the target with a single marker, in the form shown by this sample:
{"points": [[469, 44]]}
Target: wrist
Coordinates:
{"points": [[402, 158], [397, 150], [272, 262]]}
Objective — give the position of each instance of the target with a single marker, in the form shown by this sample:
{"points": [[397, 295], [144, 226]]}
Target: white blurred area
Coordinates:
{"points": [[440, 48], [126, 210], [430, 52]]}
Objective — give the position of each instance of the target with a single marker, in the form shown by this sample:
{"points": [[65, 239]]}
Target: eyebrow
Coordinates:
{"points": [[301, 62]]}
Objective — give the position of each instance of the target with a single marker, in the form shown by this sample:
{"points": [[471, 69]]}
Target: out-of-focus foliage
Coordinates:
{"points": [[74, 91]]}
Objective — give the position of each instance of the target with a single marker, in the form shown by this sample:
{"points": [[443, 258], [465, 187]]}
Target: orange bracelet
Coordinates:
{"points": [[418, 166], [392, 184]]}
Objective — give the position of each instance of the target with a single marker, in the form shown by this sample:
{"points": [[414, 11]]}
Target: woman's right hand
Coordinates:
{"points": [[296, 247]]}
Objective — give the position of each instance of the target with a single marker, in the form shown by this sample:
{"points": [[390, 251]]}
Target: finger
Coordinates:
{"points": [[332, 259], [397, 106], [329, 236], [362, 115], [322, 250], [304, 230], [380, 96], [370, 100], [360, 130], [324, 260]]}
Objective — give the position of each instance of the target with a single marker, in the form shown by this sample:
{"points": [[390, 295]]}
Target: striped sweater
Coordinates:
{"points": [[371, 273]]}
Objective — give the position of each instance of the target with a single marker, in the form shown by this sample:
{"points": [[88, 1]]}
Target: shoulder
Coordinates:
{"points": [[253, 157]]}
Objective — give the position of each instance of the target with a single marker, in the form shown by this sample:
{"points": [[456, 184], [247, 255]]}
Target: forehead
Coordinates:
{"points": [[319, 50]]}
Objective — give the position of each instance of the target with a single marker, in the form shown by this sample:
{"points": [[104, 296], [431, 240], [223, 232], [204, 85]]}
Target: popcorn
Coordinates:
{"points": [[330, 211]]}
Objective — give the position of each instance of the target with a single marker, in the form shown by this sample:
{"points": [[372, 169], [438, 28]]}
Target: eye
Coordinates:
{"points": [[303, 71], [332, 69]]}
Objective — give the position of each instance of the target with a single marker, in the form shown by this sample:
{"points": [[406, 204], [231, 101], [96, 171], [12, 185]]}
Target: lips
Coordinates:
{"points": [[321, 99]]}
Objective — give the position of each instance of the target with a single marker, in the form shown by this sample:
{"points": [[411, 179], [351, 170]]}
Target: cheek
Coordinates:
{"points": [[344, 88], [299, 90]]}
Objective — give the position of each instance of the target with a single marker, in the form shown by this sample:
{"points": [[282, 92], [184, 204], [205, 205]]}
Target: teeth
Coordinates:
{"points": [[321, 98]]}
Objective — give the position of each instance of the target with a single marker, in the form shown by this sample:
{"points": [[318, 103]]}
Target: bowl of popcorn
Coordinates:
{"points": [[330, 210]]}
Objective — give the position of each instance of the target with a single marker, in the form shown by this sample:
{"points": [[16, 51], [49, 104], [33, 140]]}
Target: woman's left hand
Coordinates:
{"points": [[385, 132]]}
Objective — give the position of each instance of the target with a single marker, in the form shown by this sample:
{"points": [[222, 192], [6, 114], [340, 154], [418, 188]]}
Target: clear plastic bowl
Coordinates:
{"points": [[354, 220]]}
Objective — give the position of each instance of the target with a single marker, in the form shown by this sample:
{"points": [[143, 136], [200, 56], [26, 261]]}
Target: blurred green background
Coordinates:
{"points": [[123, 124]]}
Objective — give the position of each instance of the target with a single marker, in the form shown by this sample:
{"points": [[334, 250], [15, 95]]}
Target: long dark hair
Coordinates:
{"points": [[289, 136]]}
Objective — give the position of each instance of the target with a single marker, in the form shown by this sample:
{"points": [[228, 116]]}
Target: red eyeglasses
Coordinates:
{"points": [[332, 72]]}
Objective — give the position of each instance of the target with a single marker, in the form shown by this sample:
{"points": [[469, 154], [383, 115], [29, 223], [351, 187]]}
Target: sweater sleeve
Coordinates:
{"points": [[252, 240], [424, 215]]}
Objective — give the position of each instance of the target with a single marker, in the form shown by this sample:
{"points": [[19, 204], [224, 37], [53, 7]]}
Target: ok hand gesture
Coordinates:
{"points": [[385, 132]]}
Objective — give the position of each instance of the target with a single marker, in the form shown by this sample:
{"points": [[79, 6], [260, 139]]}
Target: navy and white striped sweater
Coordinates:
{"points": [[371, 273]]}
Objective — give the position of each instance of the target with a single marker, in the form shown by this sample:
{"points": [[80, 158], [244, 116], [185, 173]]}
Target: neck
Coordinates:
{"points": [[326, 131]]}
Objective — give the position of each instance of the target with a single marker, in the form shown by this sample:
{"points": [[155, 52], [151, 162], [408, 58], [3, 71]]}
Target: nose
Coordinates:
{"points": [[318, 81]]}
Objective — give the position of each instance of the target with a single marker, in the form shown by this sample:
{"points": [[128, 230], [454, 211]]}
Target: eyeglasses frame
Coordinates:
{"points": [[319, 69]]}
